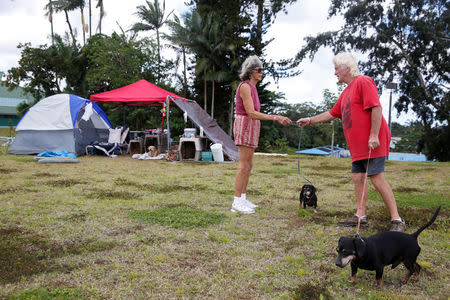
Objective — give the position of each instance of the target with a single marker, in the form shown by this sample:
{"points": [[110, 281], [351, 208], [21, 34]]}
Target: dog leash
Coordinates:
{"points": [[362, 196], [298, 162]]}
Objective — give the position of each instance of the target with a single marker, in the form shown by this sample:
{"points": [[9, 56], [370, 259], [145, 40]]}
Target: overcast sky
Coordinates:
{"points": [[24, 21]]}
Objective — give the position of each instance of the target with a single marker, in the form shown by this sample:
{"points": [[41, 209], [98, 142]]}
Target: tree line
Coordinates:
{"points": [[405, 41]]}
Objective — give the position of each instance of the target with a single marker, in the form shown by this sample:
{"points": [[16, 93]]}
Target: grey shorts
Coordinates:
{"points": [[376, 166]]}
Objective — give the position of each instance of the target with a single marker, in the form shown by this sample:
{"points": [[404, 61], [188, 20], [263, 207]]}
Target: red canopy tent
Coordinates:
{"points": [[138, 93], [146, 93]]}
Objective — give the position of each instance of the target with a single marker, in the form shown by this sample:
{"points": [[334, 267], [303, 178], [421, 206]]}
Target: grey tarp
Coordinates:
{"points": [[210, 127]]}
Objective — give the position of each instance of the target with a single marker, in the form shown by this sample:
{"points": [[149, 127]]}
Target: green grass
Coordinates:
{"points": [[126, 229], [405, 200], [181, 217]]}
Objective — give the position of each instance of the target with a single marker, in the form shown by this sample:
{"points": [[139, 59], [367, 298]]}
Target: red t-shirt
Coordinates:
{"points": [[354, 108]]}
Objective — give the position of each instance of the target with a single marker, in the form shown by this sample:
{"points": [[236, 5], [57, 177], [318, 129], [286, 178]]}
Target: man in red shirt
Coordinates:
{"points": [[367, 135]]}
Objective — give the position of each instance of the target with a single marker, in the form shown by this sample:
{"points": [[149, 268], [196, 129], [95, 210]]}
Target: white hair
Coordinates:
{"points": [[345, 59], [250, 63]]}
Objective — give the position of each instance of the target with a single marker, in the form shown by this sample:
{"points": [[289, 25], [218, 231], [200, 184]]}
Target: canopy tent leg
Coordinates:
{"points": [[167, 121]]}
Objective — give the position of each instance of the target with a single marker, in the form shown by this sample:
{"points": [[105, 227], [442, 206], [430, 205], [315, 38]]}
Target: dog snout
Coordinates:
{"points": [[339, 262], [342, 260]]}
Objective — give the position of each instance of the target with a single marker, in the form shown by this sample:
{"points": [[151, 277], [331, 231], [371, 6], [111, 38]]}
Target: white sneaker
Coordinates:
{"points": [[249, 204], [239, 206]]}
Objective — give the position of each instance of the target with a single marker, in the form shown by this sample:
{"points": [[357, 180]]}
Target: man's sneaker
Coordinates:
{"points": [[353, 221], [238, 206], [398, 225], [249, 204]]}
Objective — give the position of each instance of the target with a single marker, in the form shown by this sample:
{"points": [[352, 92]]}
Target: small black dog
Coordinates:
{"points": [[308, 196], [380, 250]]}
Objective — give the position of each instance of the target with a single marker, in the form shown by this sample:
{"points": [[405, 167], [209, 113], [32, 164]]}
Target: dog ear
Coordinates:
{"points": [[360, 246]]}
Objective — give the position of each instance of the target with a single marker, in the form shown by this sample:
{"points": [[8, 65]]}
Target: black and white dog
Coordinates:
{"points": [[308, 196]]}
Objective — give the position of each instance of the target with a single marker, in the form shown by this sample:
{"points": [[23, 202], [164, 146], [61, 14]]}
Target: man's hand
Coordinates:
{"points": [[303, 122], [374, 142]]}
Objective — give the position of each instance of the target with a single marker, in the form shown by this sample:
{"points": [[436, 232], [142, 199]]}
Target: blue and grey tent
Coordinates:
{"points": [[60, 122]]}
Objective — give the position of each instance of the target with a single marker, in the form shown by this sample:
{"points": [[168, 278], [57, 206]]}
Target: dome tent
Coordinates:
{"points": [[60, 122]]}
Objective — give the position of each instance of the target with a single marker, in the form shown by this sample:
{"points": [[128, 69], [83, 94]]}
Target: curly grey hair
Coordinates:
{"points": [[250, 63], [345, 59]]}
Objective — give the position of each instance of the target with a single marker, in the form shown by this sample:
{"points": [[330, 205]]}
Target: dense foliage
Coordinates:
{"points": [[404, 41]]}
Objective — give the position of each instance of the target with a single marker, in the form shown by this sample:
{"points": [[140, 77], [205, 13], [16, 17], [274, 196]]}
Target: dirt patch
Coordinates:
{"points": [[64, 182], [7, 170], [308, 291], [407, 189], [23, 253], [318, 174], [332, 167], [17, 189], [44, 174], [224, 192], [341, 182], [76, 217], [108, 194], [252, 192], [126, 230], [159, 188], [296, 222]]}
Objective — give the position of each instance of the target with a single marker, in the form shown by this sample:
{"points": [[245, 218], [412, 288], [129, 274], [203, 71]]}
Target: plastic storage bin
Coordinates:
{"points": [[207, 156]]}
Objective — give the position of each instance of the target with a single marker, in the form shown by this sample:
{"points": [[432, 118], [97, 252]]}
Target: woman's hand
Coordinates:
{"points": [[282, 120]]}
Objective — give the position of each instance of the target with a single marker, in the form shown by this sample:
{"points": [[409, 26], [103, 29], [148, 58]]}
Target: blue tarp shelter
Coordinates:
{"points": [[322, 150]]}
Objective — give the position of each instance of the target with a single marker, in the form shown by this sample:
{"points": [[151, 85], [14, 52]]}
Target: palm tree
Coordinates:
{"points": [[90, 19], [152, 18], [210, 46], [101, 15], [180, 42], [66, 6], [84, 26], [49, 14]]}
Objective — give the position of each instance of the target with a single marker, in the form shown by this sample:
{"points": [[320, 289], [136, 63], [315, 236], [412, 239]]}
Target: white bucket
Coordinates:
{"points": [[217, 153]]}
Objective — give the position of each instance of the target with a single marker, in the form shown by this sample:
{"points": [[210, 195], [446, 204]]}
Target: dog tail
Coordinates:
{"points": [[416, 234]]}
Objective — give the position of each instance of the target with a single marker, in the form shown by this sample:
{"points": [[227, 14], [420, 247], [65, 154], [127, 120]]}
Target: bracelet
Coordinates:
{"points": [[309, 124]]}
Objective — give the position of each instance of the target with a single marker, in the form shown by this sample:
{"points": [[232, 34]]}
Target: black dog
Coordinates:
{"points": [[380, 250], [308, 196]]}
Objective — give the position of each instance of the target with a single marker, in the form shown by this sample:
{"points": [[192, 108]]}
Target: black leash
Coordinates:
{"points": [[299, 143]]}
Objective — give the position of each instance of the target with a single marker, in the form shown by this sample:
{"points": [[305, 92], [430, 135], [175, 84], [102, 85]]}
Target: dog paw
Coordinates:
{"points": [[352, 280], [379, 284]]}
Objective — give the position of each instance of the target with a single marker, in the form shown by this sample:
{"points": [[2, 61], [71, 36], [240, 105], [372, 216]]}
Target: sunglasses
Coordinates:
{"points": [[259, 70]]}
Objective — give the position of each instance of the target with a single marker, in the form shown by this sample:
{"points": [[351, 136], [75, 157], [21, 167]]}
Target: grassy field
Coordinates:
{"points": [[125, 229]]}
